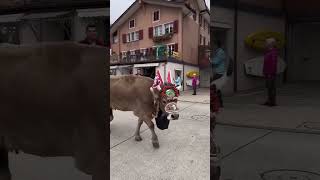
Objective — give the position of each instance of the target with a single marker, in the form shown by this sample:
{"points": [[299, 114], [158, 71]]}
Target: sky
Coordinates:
{"points": [[117, 7]]}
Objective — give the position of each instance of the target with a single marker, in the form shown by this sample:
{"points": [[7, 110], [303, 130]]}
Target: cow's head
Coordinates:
{"points": [[167, 98]]}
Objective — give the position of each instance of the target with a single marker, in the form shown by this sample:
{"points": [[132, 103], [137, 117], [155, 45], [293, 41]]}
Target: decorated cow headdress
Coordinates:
{"points": [[167, 89]]}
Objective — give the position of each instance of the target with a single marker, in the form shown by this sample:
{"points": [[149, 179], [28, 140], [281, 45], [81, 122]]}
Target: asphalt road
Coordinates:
{"points": [[183, 153], [256, 154]]}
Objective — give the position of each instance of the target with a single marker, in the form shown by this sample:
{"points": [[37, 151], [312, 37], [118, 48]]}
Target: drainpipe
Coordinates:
{"points": [[235, 58], [287, 34], [181, 37]]}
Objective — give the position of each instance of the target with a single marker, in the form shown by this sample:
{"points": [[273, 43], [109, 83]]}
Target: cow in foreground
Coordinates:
{"points": [[133, 93], [53, 104]]}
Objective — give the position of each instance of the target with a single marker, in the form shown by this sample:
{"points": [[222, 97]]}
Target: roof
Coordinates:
{"points": [[178, 3], [93, 12]]}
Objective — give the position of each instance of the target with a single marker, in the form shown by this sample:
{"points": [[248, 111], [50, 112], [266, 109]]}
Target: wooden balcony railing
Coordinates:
{"points": [[132, 59]]}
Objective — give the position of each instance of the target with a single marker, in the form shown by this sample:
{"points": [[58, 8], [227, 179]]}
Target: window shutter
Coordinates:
{"points": [[176, 47], [150, 32], [124, 38], [140, 34], [175, 26]]}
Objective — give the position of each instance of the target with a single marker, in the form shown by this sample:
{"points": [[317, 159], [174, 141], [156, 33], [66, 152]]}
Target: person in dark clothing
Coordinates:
{"points": [[194, 84], [270, 71], [92, 36]]}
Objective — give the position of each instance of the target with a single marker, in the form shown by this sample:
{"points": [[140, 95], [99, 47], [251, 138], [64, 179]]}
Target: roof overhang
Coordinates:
{"points": [[10, 18], [123, 18], [49, 15], [146, 65], [94, 12], [204, 10]]}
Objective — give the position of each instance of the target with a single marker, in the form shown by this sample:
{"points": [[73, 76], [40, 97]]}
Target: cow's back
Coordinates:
{"points": [[51, 96], [131, 93]]}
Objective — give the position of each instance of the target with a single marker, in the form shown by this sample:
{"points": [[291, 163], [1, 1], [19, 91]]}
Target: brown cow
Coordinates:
{"points": [[53, 104], [132, 93]]}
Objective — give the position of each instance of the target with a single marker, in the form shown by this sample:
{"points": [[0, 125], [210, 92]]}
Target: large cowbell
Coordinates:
{"points": [[162, 120]]}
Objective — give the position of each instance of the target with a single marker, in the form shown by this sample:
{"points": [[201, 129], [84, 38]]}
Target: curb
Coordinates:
{"points": [[277, 129]]}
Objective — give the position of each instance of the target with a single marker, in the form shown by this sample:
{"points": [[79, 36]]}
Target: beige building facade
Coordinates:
{"points": [[160, 35]]}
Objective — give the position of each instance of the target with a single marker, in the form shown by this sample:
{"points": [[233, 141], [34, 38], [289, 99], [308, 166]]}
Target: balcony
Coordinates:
{"points": [[136, 59], [162, 38]]}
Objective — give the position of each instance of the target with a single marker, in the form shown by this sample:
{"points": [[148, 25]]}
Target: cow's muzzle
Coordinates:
{"points": [[173, 116]]}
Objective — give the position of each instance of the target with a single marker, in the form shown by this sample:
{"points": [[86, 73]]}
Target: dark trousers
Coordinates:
{"points": [[272, 92], [194, 90], [220, 98]]}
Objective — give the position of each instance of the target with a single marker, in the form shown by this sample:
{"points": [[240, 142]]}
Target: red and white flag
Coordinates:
{"points": [[169, 78], [158, 82]]}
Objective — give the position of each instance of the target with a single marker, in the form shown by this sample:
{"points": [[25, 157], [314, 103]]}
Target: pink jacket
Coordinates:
{"points": [[270, 63], [194, 81]]}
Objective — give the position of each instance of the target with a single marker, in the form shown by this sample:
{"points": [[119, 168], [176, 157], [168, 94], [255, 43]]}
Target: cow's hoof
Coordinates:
{"points": [[138, 138], [155, 144]]}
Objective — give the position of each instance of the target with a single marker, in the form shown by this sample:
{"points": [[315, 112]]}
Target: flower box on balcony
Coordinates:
{"points": [[162, 38]]}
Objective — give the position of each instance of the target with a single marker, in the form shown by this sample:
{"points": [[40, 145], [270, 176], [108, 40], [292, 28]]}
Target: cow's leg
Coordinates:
{"points": [[4, 163], [137, 133], [154, 137]]}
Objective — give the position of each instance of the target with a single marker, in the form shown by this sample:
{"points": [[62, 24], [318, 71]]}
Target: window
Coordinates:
{"points": [[204, 40], [115, 37], [168, 28], [143, 54], [133, 36], [156, 16], [158, 30], [132, 24], [170, 49], [200, 39], [123, 55], [132, 55]]}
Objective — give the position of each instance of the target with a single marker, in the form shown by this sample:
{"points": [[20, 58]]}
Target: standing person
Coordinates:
{"points": [[139, 73], [218, 61], [270, 70], [178, 82], [194, 84], [92, 36]]}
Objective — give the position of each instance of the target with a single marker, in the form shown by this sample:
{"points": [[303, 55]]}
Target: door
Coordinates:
{"points": [[304, 59]]}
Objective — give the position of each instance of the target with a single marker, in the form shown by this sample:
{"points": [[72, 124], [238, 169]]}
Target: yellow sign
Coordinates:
{"points": [[257, 40]]}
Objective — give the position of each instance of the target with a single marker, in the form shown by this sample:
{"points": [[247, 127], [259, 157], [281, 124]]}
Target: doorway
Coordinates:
{"points": [[149, 72], [303, 64]]}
